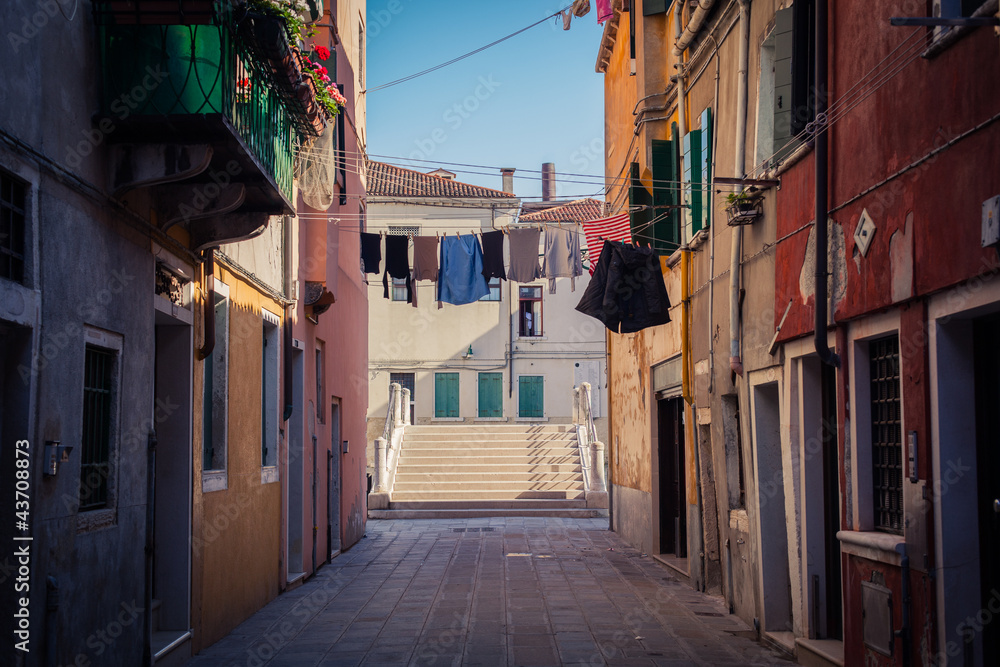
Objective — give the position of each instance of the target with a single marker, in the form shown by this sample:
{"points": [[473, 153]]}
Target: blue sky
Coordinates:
{"points": [[532, 99]]}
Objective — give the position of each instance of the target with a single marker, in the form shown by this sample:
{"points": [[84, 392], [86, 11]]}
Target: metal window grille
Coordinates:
{"points": [[887, 440], [95, 464], [12, 194], [403, 230]]}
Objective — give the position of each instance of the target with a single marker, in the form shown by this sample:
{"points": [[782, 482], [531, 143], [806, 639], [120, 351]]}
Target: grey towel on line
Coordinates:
{"points": [[562, 256], [524, 255]]}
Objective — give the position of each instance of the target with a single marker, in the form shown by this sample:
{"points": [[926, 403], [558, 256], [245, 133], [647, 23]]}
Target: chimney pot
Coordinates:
{"points": [[548, 181], [508, 179]]}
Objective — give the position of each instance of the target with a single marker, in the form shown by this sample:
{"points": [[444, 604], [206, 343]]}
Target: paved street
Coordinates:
{"points": [[507, 591]]}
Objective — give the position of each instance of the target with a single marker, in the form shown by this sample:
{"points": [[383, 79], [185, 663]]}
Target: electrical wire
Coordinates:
{"points": [[464, 56]]}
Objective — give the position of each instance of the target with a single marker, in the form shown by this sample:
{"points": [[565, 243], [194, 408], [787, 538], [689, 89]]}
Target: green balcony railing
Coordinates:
{"points": [[205, 69]]}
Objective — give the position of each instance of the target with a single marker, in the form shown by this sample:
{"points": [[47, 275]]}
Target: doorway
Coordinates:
{"points": [[333, 482], [172, 479], [985, 334], [773, 534], [673, 494], [295, 470]]}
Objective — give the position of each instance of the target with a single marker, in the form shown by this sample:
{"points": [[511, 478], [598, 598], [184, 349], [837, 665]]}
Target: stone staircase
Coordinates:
{"points": [[484, 470]]}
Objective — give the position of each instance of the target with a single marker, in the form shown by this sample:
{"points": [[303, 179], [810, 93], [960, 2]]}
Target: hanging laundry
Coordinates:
{"points": [[604, 11], [397, 264], [371, 252], [615, 228], [524, 255], [562, 256], [493, 256], [581, 8], [425, 258], [567, 17], [460, 278], [627, 292]]}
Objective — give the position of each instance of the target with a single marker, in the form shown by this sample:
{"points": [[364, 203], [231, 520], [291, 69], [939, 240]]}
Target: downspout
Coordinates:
{"points": [[209, 305], [698, 18], [904, 631], [510, 341], [51, 618], [286, 334], [735, 361], [821, 306], [685, 326]]}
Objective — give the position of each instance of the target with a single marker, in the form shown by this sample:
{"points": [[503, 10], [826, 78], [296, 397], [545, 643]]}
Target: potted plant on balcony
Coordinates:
{"points": [[743, 207]]}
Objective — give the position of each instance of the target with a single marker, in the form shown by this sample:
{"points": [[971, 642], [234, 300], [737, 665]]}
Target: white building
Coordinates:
{"points": [[514, 356]]}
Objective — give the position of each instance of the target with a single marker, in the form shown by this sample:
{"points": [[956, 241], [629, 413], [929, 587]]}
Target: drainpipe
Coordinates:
{"points": [[698, 18], [286, 334], [685, 326], [826, 355], [209, 305], [147, 624], [735, 362]]}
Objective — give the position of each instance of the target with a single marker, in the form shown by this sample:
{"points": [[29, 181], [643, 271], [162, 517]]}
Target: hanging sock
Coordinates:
{"points": [[524, 255], [627, 292], [493, 256], [425, 258], [397, 264], [371, 252], [460, 279], [562, 256]]}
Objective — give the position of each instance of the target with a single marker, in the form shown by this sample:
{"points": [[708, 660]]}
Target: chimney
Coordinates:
{"points": [[508, 179], [548, 181]]}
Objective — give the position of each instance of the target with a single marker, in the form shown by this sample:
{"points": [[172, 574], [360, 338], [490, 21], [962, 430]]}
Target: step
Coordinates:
{"points": [[484, 485], [819, 652], [492, 494], [443, 462], [394, 514], [447, 476], [490, 468], [490, 427], [485, 438], [495, 504], [491, 452]]}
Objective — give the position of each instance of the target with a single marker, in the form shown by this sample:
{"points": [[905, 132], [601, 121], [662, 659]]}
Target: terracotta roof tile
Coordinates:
{"points": [[387, 180], [581, 210]]}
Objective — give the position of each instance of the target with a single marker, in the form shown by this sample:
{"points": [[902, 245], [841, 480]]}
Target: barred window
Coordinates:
{"points": [[95, 459], [887, 434], [12, 214]]}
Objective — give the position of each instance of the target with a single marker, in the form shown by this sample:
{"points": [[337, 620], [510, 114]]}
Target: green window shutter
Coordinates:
{"points": [[491, 394], [650, 7], [783, 44], [666, 231], [706, 165], [803, 65], [692, 176], [638, 196], [530, 396], [446, 394]]}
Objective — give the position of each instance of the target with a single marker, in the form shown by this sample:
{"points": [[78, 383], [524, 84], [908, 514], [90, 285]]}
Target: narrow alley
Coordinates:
{"points": [[502, 591]]}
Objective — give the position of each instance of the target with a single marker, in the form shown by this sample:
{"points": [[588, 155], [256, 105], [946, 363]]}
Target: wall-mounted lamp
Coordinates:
{"points": [[55, 453], [468, 355]]}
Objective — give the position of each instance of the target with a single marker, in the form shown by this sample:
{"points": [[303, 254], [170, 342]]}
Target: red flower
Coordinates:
{"points": [[322, 71], [322, 52]]}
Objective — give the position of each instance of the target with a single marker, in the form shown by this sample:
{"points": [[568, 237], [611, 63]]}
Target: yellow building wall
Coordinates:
{"points": [[236, 532]]}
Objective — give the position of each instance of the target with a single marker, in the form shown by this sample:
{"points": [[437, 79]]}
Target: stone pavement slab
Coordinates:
{"points": [[490, 591]]}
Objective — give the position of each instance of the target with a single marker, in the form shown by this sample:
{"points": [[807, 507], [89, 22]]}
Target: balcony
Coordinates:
{"points": [[201, 102]]}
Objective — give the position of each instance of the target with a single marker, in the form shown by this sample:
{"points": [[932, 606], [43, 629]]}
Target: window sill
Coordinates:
{"points": [[447, 419], [532, 419], [879, 547], [93, 520], [268, 474], [214, 480], [531, 339], [491, 419]]}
